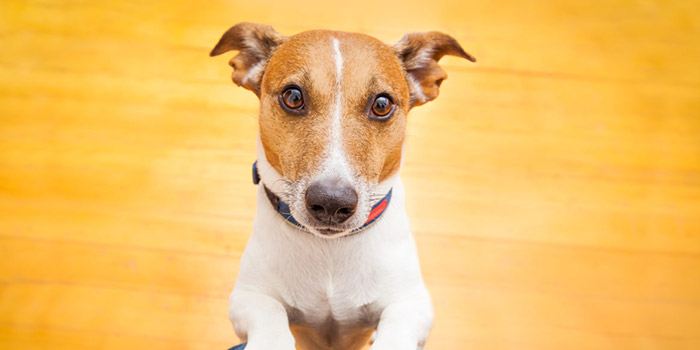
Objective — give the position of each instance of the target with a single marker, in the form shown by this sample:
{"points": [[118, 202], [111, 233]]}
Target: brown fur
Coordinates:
{"points": [[294, 145], [256, 42], [420, 53]]}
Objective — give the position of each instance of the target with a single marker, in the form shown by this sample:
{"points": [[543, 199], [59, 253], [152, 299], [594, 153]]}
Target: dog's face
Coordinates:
{"points": [[333, 110]]}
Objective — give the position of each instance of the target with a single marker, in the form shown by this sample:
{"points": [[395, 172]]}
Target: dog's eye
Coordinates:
{"points": [[292, 99], [382, 107]]}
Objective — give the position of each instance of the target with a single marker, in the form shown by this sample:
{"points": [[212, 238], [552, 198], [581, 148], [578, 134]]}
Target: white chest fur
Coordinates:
{"points": [[331, 288]]}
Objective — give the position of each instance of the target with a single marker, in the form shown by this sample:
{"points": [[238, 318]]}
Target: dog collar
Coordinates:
{"points": [[283, 208]]}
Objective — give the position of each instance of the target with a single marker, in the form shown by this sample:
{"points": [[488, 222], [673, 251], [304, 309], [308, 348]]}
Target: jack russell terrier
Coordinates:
{"points": [[331, 262]]}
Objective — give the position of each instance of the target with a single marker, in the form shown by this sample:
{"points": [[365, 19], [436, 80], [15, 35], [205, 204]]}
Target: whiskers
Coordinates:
{"points": [[287, 189]]}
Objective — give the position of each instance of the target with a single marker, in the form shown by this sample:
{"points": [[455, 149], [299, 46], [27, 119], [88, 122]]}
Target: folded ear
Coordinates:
{"points": [[420, 53], [255, 43]]}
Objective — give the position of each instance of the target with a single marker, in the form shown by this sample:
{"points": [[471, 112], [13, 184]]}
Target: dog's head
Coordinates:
{"points": [[333, 109]]}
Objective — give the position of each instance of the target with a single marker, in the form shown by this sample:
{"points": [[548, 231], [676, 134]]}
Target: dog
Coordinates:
{"points": [[331, 262]]}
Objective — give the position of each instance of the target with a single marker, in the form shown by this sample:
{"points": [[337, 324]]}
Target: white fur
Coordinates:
{"points": [[255, 72], [373, 275], [335, 162], [416, 90], [332, 292]]}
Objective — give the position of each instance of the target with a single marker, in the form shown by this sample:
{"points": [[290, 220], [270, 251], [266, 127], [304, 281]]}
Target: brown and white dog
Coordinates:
{"points": [[331, 260]]}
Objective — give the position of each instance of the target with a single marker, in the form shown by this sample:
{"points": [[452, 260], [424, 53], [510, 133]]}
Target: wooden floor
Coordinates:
{"points": [[554, 187]]}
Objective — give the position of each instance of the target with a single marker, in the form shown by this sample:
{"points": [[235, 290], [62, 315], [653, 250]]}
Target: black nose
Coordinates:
{"points": [[331, 201]]}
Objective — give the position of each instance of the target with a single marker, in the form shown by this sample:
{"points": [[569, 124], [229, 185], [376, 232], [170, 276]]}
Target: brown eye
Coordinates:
{"points": [[292, 99], [382, 107]]}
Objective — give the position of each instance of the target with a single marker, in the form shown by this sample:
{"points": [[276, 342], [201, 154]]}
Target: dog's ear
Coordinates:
{"points": [[255, 44], [420, 53]]}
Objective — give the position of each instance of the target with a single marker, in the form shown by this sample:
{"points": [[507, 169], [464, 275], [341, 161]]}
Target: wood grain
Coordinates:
{"points": [[554, 187]]}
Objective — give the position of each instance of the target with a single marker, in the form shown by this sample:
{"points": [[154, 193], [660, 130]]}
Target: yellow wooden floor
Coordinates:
{"points": [[554, 187]]}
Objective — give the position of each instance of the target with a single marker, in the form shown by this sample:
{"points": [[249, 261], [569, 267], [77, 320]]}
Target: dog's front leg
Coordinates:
{"points": [[405, 323], [260, 320]]}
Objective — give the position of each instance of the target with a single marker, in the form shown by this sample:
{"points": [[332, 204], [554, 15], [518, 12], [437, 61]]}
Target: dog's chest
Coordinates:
{"points": [[333, 311], [328, 293]]}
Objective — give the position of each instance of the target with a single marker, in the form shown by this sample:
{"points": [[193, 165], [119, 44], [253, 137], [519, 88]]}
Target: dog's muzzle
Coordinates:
{"points": [[327, 202]]}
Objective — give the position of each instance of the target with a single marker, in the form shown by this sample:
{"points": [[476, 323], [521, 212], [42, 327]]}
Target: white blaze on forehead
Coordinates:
{"points": [[336, 163], [338, 62]]}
